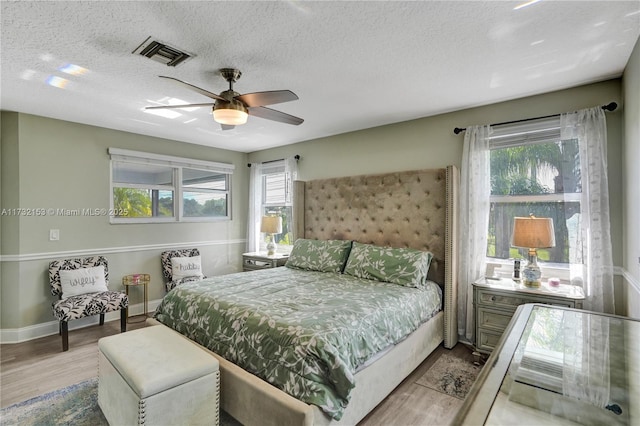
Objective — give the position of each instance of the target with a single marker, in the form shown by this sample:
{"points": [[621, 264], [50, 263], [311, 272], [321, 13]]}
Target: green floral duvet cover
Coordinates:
{"points": [[305, 332]]}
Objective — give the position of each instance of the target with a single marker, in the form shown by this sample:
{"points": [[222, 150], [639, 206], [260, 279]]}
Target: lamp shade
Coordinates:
{"points": [[271, 224], [533, 232]]}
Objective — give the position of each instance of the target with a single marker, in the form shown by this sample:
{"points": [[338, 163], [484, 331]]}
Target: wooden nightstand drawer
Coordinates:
{"points": [[256, 261], [500, 300], [495, 302], [492, 319], [555, 302], [257, 264], [487, 340]]}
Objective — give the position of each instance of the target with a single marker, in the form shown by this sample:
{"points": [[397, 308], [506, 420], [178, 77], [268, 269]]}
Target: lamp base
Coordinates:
{"points": [[531, 273], [271, 247], [531, 284]]}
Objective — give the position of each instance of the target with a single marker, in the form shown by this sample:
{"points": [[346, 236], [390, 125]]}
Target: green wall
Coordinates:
{"points": [[49, 163], [53, 163], [430, 142]]}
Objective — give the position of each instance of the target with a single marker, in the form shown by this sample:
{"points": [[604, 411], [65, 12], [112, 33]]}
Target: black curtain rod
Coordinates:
{"points": [[609, 107], [297, 157]]}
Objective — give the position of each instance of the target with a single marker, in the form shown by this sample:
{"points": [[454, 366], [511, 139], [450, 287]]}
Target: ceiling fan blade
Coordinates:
{"points": [[196, 88], [272, 114], [227, 127], [180, 106], [267, 98]]}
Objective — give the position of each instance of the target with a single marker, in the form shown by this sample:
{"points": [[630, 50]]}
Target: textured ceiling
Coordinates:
{"points": [[354, 65]]}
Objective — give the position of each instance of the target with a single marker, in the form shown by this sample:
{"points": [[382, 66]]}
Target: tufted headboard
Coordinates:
{"points": [[415, 209]]}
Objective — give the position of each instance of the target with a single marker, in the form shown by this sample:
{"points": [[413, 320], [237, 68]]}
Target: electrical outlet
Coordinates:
{"points": [[54, 234]]}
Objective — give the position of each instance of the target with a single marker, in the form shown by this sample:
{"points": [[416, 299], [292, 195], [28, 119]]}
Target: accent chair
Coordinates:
{"points": [[175, 278], [81, 285]]}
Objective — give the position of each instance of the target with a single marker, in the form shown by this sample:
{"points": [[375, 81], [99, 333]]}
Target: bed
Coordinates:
{"points": [[409, 211]]}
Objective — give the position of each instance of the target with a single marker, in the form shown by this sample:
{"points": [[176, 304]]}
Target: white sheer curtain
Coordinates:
{"points": [[290, 168], [291, 172], [255, 207], [586, 369], [475, 190], [589, 127]]}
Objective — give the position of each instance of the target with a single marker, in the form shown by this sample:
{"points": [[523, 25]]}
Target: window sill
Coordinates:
{"points": [[567, 273]]}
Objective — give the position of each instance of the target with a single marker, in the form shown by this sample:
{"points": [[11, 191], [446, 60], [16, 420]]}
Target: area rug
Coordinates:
{"points": [[75, 405], [450, 375]]}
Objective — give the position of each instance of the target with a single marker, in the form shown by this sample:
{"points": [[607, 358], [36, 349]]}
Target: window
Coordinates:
{"points": [[277, 187], [534, 172], [156, 188], [204, 193]]}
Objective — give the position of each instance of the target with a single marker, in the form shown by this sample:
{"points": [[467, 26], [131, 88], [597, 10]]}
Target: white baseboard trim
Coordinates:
{"points": [[109, 250], [24, 334]]}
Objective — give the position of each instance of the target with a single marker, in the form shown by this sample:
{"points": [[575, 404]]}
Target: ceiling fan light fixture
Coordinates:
{"points": [[231, 113], [232, 109]]}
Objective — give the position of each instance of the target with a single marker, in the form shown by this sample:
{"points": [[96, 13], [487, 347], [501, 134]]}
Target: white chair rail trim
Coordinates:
{"points": [[110, 250]]}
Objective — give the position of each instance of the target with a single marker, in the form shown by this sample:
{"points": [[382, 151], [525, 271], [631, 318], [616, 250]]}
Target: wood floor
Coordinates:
{"points": [[414, 404], [39, 366]]}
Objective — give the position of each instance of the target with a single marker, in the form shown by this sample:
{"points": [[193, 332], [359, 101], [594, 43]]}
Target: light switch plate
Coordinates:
{"points": [[54, 234]]}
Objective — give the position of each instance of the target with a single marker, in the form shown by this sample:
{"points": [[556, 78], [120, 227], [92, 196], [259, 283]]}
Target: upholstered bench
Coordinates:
{"points": [[155, 376]]}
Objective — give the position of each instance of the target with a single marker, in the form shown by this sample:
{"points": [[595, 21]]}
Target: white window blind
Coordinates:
{"points": [[118, 154], [147, 187]]}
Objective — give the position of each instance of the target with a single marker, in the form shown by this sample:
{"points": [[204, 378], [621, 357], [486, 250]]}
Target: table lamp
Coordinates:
{"points": [[271, 225], [532, 233]]}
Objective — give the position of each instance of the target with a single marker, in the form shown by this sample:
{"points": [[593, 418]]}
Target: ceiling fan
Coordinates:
{"points": [[231, 108]]}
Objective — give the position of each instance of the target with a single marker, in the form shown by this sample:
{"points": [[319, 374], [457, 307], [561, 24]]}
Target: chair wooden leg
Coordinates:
{"points": [[101, 319], [64, 331], [123, 320]]}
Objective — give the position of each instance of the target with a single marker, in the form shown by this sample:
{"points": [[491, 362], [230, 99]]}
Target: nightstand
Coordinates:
{"points": [[256, 260], [495, 302]]}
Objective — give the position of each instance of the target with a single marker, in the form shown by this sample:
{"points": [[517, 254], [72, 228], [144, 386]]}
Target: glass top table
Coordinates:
{"points": [[560, 366]]}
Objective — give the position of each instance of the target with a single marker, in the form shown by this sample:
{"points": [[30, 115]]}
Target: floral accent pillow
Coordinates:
{"points": [[404, 266], [319, 255], [82, 281]]}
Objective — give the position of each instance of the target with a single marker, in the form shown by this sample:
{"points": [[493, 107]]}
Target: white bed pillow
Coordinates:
{"points": [[81, 281], [183, 267]]}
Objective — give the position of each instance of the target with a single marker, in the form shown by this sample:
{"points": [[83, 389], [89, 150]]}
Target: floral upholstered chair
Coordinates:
{"points": [[181, 266], [81, 287]]}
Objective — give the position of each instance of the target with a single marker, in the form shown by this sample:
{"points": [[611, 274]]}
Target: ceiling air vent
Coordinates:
{"points": [[161, 52]]}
